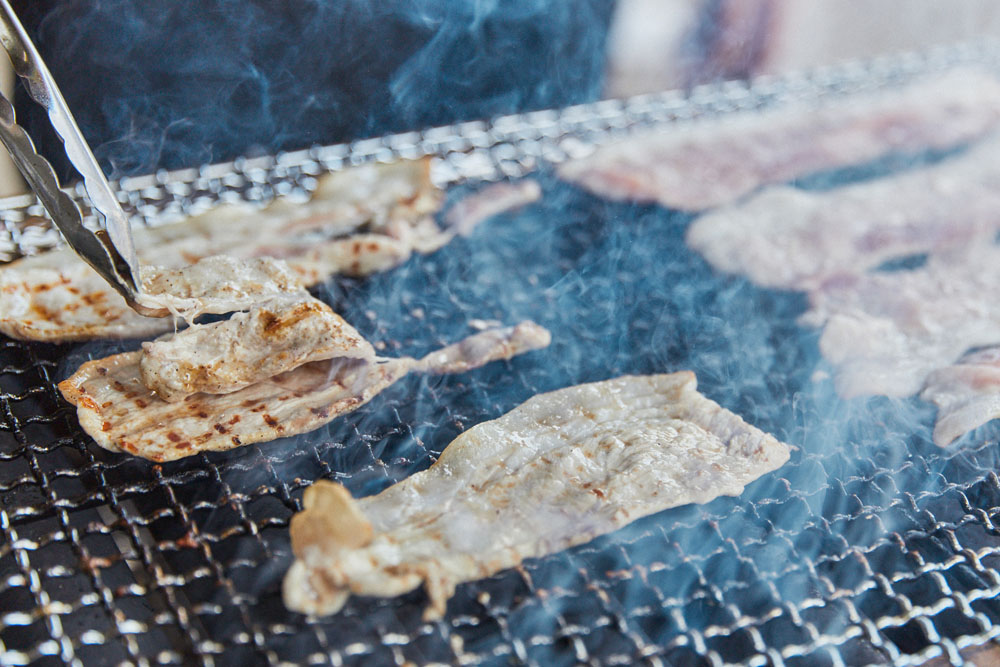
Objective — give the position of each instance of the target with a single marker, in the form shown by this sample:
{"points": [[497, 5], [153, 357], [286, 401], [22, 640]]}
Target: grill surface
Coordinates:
{"points": [[870, 546]]}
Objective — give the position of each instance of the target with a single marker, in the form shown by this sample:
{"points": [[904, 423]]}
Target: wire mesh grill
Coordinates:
{"points": [[871, 546]]}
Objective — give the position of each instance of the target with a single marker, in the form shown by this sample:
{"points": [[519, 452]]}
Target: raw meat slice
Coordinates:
{"points": [[717, 160]]}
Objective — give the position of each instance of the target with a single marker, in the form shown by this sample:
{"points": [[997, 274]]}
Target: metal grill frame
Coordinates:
{"points": [[105, 529]]}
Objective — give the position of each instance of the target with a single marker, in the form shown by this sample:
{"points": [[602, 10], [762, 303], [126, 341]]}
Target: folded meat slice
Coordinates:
{"points": [[557, 471], [361, 220], [218, 284], [121, 414], [967, 394], [787, 238], [269, 339], [886, 332], [717, 160]]}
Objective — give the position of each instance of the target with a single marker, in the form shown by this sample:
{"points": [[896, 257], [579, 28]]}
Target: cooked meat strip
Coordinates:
{"points": [[785, 237], [557, 471], [364, 219], [886, 332], [717, 160], [218, 284], [115, 407], [468, 353], [967, 394], [249, 347], [492, 200]]}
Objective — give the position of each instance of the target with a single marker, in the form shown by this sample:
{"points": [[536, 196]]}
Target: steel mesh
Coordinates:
{"points": [[870, 546]]}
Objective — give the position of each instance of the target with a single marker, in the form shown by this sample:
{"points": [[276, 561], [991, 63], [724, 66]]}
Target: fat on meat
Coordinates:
{"points": [[967, 394], [361, 220], [557, 471], [793, 239], [714, 161], [116, 408], [269, 339]]}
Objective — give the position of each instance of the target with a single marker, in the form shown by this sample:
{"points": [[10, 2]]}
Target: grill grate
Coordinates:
{"points": [[870, 546]]}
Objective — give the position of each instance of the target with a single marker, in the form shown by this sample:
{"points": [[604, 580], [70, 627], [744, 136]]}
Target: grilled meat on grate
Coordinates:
{"points": [[720, 160], [557, 471], [118, 410]]}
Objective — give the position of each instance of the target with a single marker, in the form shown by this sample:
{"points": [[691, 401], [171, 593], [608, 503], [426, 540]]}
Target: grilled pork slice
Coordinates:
{"points": [[717, 160], [492, 200], [218, 284], [364, 219], [886, 332], [967, 394], [117, 409], [788, 238], [272, 338], [557, 471]]}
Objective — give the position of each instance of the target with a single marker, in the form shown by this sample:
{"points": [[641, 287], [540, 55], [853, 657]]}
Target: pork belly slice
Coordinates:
{"points": [[557, 471], [967, 394], [787, 238], [361, 220], [886, 332], [270, 339], [121, 414], [717, 160]]}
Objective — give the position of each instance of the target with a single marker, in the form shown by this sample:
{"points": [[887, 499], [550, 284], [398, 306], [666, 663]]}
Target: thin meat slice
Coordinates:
{"points": [[557, 471], [492, 200], [270, 339], [967, 394], [219, 284], [117, 409], [361, 220], [886, 332], [717, 160], [787, 238]]}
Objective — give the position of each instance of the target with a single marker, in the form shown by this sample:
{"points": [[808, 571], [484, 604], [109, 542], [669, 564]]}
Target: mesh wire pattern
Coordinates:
{"points": [[872, 546]]}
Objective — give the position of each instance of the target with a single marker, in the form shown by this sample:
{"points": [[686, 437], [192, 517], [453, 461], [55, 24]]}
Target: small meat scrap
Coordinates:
{"points": [[474, 350], [557, 471], [218, 284], [117, 409], [361, 220], [789, 238], [492, 200], [967, 394], [886, 332], [272, 338], [715, 161]]}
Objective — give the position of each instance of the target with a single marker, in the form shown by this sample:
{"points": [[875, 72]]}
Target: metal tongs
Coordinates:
{"points": [[110, 250]]}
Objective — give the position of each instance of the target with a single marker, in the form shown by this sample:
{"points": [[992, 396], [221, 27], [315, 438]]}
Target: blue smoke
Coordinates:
{"points": [[167, 85]]}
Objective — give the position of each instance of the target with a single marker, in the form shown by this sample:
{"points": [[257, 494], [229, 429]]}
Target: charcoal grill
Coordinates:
{"points": [[871, 546]]}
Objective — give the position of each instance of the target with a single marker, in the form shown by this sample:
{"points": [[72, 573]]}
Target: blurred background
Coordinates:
{"points": [[168, 85]]}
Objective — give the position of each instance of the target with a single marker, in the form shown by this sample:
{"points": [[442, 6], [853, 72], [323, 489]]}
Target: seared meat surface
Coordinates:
{"points": [[117, 409], [557, 471]]}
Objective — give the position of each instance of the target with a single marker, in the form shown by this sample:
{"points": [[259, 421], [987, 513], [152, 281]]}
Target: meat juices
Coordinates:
{"points": [[117, 409], [792, 239], [557, 471], [717, 160], [364, 219]]}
